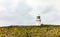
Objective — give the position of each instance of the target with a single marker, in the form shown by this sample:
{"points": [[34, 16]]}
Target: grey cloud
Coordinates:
{"points": [[45, 9], [21, 14], [16, 15]]}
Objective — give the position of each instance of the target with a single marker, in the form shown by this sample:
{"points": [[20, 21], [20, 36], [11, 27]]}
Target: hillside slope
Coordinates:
{"points": [[30, 31]]}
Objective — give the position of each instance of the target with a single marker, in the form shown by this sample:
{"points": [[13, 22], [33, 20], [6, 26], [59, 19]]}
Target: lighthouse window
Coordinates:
{"points": [[38, 17]]}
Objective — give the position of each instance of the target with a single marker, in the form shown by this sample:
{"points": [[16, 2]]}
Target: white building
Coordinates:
{"points": [[38, 21]]}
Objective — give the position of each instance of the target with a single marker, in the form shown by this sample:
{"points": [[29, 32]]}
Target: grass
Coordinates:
{"points": [[30, 31]]}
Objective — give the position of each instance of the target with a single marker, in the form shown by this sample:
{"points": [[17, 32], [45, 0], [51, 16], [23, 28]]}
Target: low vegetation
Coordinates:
{"points": [[30, 31]]}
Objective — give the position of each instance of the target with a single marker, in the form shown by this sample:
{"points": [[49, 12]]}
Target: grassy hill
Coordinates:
{"points": [[30, 31]]}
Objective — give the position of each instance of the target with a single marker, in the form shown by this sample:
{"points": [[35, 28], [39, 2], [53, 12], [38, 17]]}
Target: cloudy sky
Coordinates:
{"points": [[23, 12]]}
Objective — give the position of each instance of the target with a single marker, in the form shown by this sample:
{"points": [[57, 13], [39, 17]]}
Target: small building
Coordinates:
{"points": [[38, 20]]}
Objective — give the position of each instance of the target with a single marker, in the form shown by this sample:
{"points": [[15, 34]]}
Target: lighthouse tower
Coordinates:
{"points": [[38, 21]]}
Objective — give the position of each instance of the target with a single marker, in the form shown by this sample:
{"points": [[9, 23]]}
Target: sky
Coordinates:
{"points": [[24, 12]]}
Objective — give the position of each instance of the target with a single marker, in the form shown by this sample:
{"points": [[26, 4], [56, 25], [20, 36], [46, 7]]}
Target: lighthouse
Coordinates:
{"points": [[38, 21]]}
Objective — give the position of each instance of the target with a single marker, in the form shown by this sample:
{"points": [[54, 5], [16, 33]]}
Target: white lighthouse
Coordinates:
{"points": [[38, 21]]}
